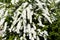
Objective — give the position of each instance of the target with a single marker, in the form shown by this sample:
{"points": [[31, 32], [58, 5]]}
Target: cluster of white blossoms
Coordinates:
{"points": [[23, 20]]}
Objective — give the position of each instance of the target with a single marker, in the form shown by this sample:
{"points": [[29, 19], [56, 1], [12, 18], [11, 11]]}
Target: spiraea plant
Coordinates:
{"points": [[26, 19]]}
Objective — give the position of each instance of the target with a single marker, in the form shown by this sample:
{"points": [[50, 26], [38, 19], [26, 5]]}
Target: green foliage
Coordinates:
{"points": [[0, 38], [54, 29], [5, 1]]}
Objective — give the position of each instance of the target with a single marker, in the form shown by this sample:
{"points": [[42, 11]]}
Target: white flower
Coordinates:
{"points": [[15, 38], [2, 12], [29, 13], [30, 36], [47, 17], [21, 38], [5, 26], [2, 21], [14, 1], [18, 27], [57, 1], [34, 26], [39, 4], [45, 32], [29, 28], [25, 4], [6, 13], [40, 22], [37, 38]]}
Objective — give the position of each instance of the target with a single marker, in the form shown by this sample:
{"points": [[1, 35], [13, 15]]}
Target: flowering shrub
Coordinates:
{"points": [[26, 19]]}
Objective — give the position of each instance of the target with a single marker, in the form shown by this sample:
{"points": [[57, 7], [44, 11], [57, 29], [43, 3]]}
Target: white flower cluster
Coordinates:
{"points": [[25, 20]]}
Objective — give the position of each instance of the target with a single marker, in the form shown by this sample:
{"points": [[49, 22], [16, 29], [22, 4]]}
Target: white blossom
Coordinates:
{"points": [[14, 1], [25, 11]]}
